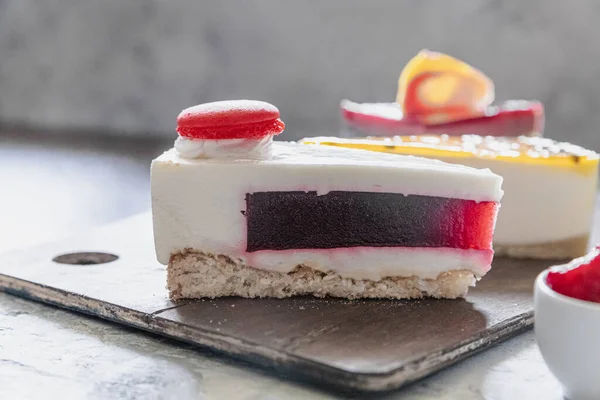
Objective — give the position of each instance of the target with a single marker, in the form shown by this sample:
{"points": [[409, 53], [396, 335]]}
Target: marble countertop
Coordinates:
{"points": [[46, 352]]}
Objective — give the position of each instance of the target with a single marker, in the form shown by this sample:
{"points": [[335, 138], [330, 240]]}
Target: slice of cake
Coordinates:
{"points": [[439, 94], [550, 187], [236, 214]]}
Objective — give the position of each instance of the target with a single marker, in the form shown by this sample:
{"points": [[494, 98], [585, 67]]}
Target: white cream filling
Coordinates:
{"points": [[374, 263], [232, 149], [199, 203]]}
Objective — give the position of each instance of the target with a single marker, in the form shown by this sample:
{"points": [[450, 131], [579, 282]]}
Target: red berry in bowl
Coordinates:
{"points": [[580, 279]]}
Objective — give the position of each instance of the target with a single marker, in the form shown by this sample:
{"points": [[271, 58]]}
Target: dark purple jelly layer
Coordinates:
{"points": [[304, 220]]}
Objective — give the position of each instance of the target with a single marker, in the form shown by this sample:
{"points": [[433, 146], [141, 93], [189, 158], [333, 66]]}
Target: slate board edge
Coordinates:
{"points": [[496, 334], [287, 364]]}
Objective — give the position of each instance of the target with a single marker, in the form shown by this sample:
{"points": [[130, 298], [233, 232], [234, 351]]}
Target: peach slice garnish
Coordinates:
{"points": [[437, 88]]}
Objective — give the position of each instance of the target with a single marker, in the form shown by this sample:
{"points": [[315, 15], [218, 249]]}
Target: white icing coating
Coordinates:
{"points": [[322, 168], [198, 204], [231, 149]]}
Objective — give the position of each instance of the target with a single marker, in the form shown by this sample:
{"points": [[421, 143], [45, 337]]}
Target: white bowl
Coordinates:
{"points": [[568, 333]]}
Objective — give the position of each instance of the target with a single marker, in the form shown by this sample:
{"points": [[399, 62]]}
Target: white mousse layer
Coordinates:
{"points": [[198, 204]]}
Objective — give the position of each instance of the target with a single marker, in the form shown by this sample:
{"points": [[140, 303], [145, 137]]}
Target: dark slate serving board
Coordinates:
{"points": [[371, 345]]}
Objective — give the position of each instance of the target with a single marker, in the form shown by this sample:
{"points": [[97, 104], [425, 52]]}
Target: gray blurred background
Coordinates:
{"points": [[129, 67]]}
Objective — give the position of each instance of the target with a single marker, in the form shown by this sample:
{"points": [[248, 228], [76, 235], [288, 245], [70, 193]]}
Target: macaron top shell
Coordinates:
{"points": [[232, 119]]}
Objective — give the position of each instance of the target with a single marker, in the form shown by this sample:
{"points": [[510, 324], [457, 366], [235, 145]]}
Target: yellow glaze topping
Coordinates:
{"points": [[521, 149], [437, 88]]}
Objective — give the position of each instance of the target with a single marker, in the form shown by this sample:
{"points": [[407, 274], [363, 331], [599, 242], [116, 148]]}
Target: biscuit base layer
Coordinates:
{"points": [[558, 250], [194, 274]]}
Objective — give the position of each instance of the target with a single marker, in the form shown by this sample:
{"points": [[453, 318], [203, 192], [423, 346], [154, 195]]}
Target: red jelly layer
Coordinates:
{"points": [[513, 118], [234, 119], [306, 220], [580, 281]]}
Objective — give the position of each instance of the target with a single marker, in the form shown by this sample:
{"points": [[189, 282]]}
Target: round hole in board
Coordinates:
{"points": [[85, 258]]}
